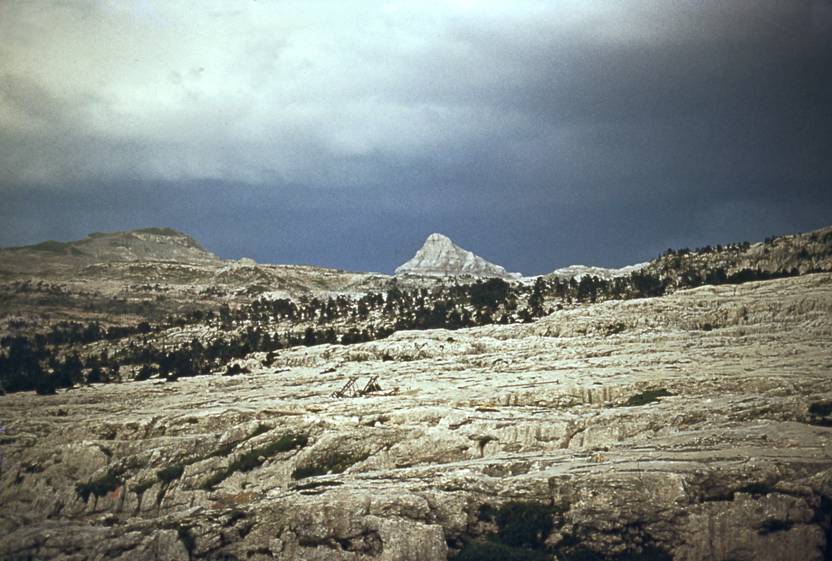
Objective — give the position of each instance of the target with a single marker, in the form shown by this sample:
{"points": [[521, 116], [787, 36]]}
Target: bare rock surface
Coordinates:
{"points": [[694, 425], [577, 272], [440, 257]]}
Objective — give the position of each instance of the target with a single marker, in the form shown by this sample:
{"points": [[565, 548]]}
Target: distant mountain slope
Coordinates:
{"points": [[149, 244], [440, 257], [150, 274], [776, 256]]}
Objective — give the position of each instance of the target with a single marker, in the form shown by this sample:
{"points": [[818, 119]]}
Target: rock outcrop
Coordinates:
{"points": [[694, 426], [579, 271], [440, 257]]}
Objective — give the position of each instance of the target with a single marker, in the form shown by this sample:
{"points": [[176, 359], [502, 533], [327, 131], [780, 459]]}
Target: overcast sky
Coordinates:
{"points": [[537, 134]]}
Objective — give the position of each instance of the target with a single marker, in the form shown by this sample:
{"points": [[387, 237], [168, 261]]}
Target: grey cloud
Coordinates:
{"points": [[530, 119]]}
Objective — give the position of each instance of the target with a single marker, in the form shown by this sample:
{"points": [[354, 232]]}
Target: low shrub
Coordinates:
{"points": [[170, 473], [524, 524], [820, 413], [187, 539], [522, 528], [646, 397], [820, 408], [98, 487]]}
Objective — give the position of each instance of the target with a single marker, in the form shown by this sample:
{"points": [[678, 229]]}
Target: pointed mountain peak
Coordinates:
{"points": [[440, 257], [438, 238]]}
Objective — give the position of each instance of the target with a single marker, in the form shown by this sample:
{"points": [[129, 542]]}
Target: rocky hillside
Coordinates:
{"points": [[440, 257], [114, 321], [690, 427], [147, 275], [150, 244], [776, 256]]}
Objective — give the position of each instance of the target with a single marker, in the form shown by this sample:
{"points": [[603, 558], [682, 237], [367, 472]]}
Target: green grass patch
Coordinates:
{"points": [[645, 397]]}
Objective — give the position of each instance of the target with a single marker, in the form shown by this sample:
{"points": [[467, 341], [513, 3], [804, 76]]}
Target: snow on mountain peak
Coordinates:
{"points": [[440, 257]]}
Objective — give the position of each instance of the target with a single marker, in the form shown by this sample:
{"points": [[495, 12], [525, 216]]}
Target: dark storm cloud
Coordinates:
{"points": [[536, 134], [736, 91]]}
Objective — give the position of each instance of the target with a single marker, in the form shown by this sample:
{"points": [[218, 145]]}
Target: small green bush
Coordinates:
{"points": [[820, 408], [98, 487], [170, 473], [309, 471], [646, 397], [187, 538], [524, 524], [522, 529]]}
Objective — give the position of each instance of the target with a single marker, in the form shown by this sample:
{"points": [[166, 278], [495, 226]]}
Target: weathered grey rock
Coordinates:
{"points": [[729, 461]]}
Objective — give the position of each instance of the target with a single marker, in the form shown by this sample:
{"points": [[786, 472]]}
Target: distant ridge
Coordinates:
{"points": [[790, 254], [440, 257], [146, 244]]}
